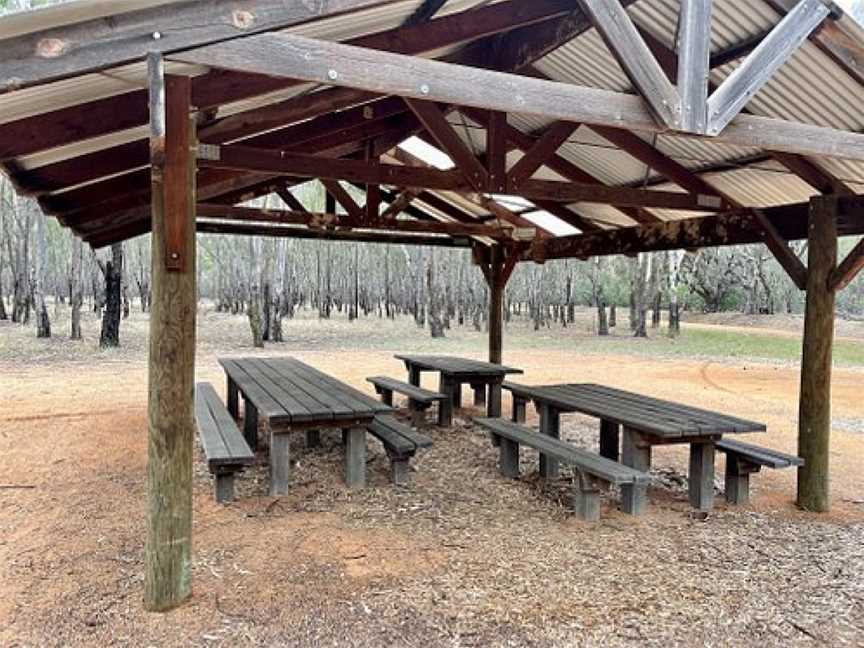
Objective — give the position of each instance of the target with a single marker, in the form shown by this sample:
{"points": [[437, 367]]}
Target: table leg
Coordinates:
{"points": [[232, 396], [609, 440], [445, 407], [550, 425], [250, 423], [313, 438], [636, 453], [355, 458], [280, 463], [702, 475], [494, 406], [519, 409], [479, 395], [414, 375], [457, 394]]}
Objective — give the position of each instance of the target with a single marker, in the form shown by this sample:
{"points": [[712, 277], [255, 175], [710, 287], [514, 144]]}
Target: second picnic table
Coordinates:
{"points": [[646, 422], [455, 372], [290, 396]]}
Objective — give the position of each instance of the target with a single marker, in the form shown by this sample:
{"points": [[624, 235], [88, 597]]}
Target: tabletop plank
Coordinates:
{"points": [[457, 366], [659, 417]]}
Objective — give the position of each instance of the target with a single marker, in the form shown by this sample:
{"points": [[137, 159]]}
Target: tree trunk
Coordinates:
{"points": [[613, 317], [76, 296], [436, 323], [110, 335]]}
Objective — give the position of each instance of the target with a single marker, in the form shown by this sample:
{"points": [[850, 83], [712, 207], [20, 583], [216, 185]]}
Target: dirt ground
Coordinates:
{"points": [[459, 558]]}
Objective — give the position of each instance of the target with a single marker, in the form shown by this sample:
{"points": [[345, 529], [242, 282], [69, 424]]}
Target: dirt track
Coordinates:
{"points": [[461, 558]]}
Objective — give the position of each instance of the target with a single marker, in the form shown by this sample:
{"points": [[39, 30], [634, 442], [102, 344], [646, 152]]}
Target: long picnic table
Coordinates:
{"points": [[289, 396], [646, 422], [455, 372]]}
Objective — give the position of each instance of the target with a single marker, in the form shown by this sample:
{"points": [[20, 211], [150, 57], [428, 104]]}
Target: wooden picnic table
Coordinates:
{"points": [[289, 395], [455, 372], [646, 422]]}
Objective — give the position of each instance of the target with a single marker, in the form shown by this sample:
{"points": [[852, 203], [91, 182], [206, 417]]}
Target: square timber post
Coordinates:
{"points": [[497, 282], [171, 369]]}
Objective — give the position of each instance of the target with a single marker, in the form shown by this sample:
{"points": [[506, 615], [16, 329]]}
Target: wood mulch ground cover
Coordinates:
{"points": [[459, 558]]}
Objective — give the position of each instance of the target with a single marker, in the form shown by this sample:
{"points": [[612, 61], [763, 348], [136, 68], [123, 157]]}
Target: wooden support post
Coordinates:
{"points": [[737, 484], [414, 376], [280, 463], [445, 407], [400, 470], [232, 396], [519, 407], [355, 458], [609, 439], [167, 577], [493, 408], [250, 423], [636, 453], [496, 283], [457, 395], [701, 476], [508, 458], [814, 410], [313, 438], [479, 395], [550, 425], [224, 487], [585, 498]]}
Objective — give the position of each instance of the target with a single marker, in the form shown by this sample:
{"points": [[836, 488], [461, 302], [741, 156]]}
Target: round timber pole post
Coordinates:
{"points": [[167, 581], [497, 282], [814, 410]]}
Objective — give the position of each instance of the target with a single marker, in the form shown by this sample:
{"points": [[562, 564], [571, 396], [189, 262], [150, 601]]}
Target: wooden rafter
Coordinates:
{"points": [[346, 65], [496, 152], [290, 199], [544, 148], [754, 72], [626, 43], [340, 194], [399, 205], [848, 269], [773, 240], [435, 121]]}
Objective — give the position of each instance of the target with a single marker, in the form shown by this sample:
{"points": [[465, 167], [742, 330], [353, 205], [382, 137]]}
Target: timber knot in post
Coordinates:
{"points": [[51, 48]]}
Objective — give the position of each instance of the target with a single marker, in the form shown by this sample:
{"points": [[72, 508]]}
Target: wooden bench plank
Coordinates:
{"points": [[564, 452], [759, 455], [407, 389], [220, 437]]}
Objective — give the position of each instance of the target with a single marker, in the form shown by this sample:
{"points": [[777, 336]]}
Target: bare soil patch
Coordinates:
{"points": [[460, 558]]}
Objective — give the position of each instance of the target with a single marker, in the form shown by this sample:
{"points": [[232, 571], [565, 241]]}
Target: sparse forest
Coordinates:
{"points": [[270, 279]]}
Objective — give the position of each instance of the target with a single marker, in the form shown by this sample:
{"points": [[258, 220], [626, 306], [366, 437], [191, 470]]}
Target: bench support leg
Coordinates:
{"points": [[738, 479], [508, 457], [702, 476], [280, 463], [550, 425], [224, 487], [250, 424], [400, 470], [609, 440], [355, 458], [636, 453], [386, 396], [445, 407], [519, 409], [586, 499], [479, 395], [313, 438], [418, 413], [232, 396], [414, 376]]}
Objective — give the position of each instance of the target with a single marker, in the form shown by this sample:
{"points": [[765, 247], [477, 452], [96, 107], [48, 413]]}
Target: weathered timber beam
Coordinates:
{"points": [[557, 163], [730, 228], [399, 205], [290, 199], [85, 121], [496, 152], [433, 118], [345, 65], [846, 272], [39, 57], [355, 212], [694, 53], [334, 221], [626, 43], [787, 259], [544, 148], [754, 72]]}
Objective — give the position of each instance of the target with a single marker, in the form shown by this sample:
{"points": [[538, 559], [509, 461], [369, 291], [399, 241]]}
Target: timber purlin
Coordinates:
{"points": [[223, 444], [589, 467]]}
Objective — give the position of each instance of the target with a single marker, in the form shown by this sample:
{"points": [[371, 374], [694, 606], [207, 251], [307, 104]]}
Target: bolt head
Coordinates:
{"points": [[157, 35], [424, 89], [332, 75]]}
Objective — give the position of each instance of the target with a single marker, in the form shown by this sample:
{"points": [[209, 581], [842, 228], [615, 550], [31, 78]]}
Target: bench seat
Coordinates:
{"points": [[591, 468], [401, 443], [225, 449], [419, 399], [743, 459]]}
